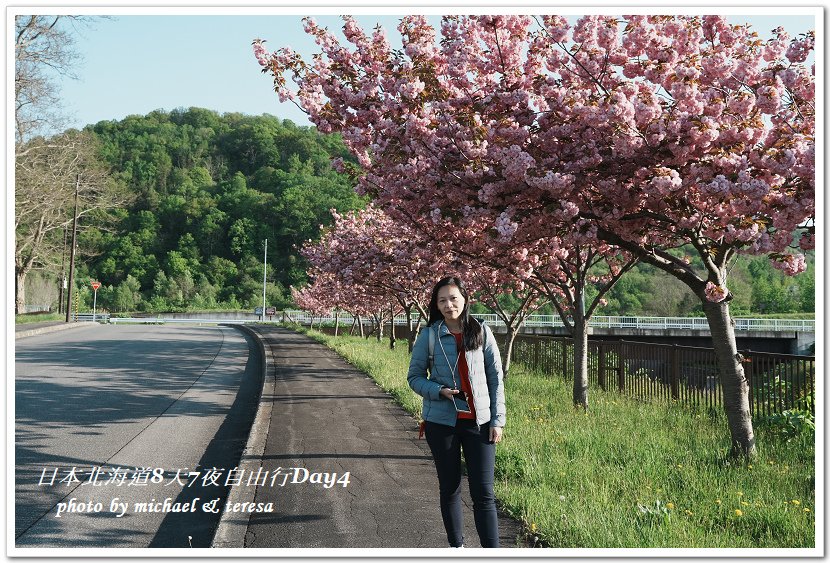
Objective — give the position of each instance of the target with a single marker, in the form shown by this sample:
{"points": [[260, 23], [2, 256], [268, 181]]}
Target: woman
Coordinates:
{"points": [[463, 407]]}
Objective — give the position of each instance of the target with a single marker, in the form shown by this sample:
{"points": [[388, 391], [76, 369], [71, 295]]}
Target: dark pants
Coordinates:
{"points": [[446, 443]]}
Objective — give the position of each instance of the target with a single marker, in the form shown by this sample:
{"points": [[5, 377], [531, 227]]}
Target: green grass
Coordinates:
{"points": [[38, 317], [626, 474]]}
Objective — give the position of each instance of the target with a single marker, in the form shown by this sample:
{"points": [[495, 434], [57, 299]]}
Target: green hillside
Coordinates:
{"points": [[209, 189]]}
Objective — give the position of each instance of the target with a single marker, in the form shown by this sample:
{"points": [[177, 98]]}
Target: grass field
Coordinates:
{"points": [[38, 318], [627, 474]]}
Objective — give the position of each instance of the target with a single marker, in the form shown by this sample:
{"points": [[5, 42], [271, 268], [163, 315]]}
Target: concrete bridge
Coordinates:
{"points": [[783, 336]]}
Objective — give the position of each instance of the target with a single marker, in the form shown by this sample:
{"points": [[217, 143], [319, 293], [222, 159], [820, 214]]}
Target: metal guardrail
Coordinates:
{"points": [[89, 317], [652, 323]]}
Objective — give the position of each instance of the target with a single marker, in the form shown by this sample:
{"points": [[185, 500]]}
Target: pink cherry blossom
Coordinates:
{"points": [[715, 293], [791, 264]]}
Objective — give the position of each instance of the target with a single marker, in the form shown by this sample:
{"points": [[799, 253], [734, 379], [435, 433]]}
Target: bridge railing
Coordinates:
{"points": [[621, 322]]}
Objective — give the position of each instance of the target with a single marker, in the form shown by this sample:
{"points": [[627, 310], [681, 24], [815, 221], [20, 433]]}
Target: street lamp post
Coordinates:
{"points": [[264, 272]]}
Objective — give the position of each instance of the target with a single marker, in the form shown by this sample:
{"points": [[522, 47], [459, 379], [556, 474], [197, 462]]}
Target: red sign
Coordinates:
{"points": [[96, 285]]}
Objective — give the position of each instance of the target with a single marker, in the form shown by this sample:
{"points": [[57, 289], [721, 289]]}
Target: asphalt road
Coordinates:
{"points": [[124, 399]]}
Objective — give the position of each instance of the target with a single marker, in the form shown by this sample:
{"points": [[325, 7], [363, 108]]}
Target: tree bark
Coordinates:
{"points": [[411, 339], [580, 337], [392, 327], [336, 322], [373, 319], [379, 326], [509, 339], [733, 379], [20, 291]]}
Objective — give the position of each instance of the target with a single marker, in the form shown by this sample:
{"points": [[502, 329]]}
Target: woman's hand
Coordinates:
{"points": [[448, 393], [495, 434]]}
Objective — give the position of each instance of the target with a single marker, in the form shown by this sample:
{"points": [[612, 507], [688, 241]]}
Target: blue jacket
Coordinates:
{"points": [[486, 378]]}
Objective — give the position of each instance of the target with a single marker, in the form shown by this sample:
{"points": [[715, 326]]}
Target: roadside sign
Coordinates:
{"points": [[270, 311], [258, 311], [95, 285]]}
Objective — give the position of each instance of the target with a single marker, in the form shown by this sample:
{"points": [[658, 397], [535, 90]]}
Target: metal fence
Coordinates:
{"points": [[685, 374], [89, 317]]}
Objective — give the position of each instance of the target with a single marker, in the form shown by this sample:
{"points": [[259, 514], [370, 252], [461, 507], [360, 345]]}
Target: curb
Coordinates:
{"points": [[48, 329], [232, 529]]}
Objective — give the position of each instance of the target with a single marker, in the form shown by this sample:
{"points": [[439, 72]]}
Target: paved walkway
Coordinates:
{"points": [[320, 418]]}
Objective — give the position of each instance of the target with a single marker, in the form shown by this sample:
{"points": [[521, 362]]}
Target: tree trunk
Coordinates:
{"points": [[360, 326], [372, 326], [733, 380], [509, 338], [379, 326], [391, 327], [580, 336], [20, 291], [409, 327], [336, 322]]}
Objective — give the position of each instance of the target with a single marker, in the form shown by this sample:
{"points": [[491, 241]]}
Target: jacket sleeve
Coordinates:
{"points": [[495, 378], [417, 375]]}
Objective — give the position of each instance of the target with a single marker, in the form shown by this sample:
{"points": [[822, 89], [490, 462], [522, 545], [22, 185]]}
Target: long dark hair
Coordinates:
{"points": [[473, 334]]}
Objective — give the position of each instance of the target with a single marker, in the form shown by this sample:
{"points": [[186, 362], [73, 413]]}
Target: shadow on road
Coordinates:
{"points": [[118, 397], [224, 451]]}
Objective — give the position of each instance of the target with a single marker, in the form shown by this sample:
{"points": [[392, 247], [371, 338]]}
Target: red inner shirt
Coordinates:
{"points": [[464, 372]]}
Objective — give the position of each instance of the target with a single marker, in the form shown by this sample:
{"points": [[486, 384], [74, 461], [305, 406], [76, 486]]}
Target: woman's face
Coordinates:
{"points": [[450, 303]]}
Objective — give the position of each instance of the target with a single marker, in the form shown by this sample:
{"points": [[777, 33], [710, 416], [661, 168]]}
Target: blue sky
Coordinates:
{"points": [[134, 64]]}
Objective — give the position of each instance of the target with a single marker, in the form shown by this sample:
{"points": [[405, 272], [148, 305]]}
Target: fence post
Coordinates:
{"points": [[537, 343], [601, 365], [675, 373], [620, 368], [565, 359], [749, 375]]}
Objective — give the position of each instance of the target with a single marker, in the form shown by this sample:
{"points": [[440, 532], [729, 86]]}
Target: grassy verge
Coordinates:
{"points": [[627, 474], [38, 318]]}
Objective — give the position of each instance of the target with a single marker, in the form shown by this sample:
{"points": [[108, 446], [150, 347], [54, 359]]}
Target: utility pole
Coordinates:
{"points": [[62, 282], [72, 251], [264, 272]]}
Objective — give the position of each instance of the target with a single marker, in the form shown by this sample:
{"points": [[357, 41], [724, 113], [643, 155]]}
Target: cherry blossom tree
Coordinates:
{"points": [[314, 298], [494, 283], [366, 248], [661, 131], [718, 155], [567, 268]]}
